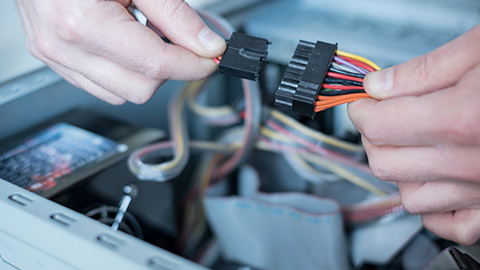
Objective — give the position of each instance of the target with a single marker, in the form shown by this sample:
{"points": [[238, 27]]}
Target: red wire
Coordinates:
{"points": [[358, 63], [342, 76], [341, 87], [216, 60]]}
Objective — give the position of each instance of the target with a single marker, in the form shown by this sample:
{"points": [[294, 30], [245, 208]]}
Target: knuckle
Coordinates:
{"points": [[465, 233], [379, 169], [412, 198], [464, 128], [69, 26], [410, 204], [175, 8], [43, 46], [422, 67], [157, 71], [371, 132]]}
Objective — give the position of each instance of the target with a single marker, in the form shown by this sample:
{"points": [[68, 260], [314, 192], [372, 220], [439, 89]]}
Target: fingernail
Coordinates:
{"points": [[209, 39], [380, 81]]}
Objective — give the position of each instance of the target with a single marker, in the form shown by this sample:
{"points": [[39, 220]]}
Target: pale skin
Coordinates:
{"points": [[422, 131], [99, 47]]}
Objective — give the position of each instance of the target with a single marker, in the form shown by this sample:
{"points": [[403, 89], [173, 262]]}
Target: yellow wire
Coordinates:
{"points": [[331, 166], [317, 135], [359, 58], [192, 87], [306, 166], [178, 126], [220, 111], [275, 135], [338, 170]]}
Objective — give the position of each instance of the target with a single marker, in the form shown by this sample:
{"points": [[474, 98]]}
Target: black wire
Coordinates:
{"points": [[336, 70], [339, 92], [331, 80]]}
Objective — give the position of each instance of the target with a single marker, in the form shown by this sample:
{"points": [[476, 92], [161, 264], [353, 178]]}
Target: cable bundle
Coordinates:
{"points": [[344, 80]]}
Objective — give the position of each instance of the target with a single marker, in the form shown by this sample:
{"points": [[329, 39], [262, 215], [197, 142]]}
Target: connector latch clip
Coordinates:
{"points": [[244, 56]]}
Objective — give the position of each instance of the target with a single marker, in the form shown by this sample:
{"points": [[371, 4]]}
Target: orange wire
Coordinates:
{"points": [[348, 96], [326, 102], [336, 102], [217, 59], [330, 101]]}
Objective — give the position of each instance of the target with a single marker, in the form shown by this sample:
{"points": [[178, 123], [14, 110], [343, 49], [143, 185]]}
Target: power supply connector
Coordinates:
{"points": [[244, 56], [304, 76]]}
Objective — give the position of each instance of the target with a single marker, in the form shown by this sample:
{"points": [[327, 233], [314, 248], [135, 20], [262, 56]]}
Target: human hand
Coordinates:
{"points": [[423, 132], [98, 45]]}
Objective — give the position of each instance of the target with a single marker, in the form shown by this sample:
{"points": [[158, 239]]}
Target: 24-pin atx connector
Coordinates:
{"points": [[319, 77]]}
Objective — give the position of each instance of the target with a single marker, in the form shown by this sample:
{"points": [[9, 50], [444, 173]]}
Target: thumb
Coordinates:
{"points": [[436, 70], [181, 24]]}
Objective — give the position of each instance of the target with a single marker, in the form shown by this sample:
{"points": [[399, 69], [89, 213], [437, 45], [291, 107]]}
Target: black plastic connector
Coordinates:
{"points": [[304, 76], [244, 56]]}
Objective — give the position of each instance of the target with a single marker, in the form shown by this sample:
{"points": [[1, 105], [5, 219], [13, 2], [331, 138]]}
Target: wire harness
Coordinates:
{"points": [[244, 56], [320, 76]]}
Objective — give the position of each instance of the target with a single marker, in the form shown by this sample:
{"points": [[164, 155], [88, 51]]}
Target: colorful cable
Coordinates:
{"points": [[344, 81]]}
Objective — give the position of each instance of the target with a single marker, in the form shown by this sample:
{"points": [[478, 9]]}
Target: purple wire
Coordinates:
{"points": [[345, 62]]}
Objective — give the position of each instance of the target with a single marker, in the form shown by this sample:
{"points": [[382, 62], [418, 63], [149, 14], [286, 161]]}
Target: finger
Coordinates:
{"points": [[71, 76], [124, 83], [461, 226], [183, 26], [425, 120], [422, 163], [436, 70], [80, 81], [436, 197], [96, 90], [123, 40], [93, 89]]}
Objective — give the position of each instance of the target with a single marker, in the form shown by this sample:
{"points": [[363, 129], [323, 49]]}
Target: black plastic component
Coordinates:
{"points": [[463, 260], [244, 56], [304, 76]]}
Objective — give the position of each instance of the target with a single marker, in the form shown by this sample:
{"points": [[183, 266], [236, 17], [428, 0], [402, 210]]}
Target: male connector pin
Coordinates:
{"points": [[244, 56]]}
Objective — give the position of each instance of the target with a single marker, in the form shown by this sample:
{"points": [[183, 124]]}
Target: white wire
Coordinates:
{"points": [[307, 172], [344, 68], [179, 133]]}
